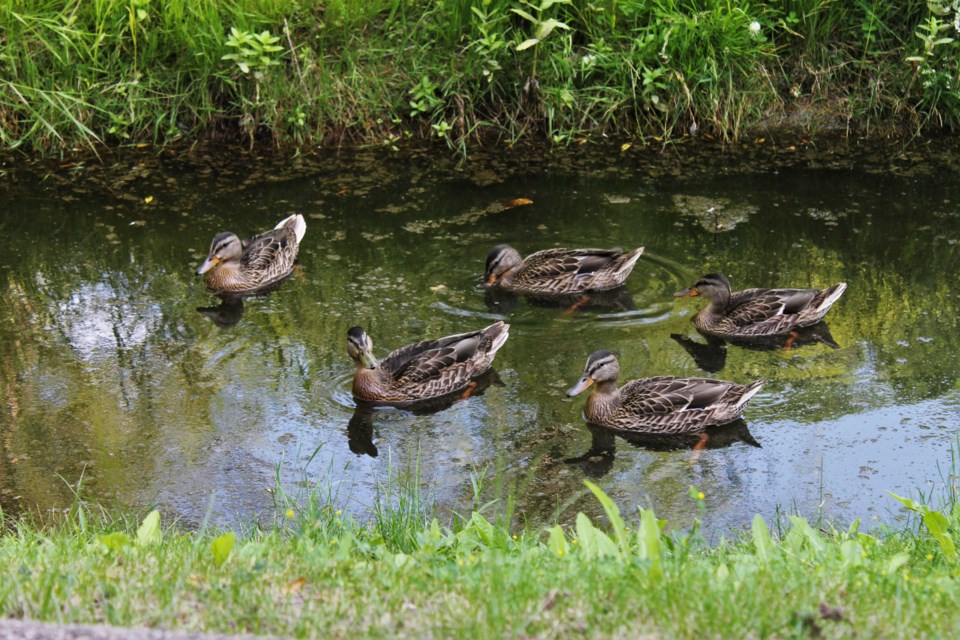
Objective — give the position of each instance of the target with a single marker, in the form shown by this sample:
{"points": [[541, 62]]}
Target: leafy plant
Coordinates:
{"points": [[252, 51], [936, 523]]}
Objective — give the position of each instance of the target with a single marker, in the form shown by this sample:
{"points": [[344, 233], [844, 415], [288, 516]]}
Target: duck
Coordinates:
{"points": [[558, 271], [425, 370], [246, 267], [659, 405], [757, 313]]}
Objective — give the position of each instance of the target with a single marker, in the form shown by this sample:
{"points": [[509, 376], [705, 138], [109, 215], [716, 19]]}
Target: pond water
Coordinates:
{"points": [[112, 379]]}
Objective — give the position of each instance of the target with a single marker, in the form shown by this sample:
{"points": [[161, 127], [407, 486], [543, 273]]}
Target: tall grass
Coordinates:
{"points": [[306, 72]]}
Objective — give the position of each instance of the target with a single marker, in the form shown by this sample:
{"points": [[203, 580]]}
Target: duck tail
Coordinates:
{"points": [[829, 296], [296, 223], [748, 393], [629, 260], [498, 332]]}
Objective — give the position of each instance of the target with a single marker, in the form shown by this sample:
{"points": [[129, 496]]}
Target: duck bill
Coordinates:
{"points": [[489, 280], [367, 360], [580, 387], [208, 264], [687, 293]]}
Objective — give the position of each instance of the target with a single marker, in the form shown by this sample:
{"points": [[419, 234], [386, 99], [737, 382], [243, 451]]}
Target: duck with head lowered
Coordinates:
{"points": [[757, 313], [236, 267], [425, 370], [660, 405]]}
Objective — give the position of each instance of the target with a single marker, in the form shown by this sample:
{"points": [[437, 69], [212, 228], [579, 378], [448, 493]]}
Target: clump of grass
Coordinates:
{"points": [[305, 72], [322, 573]]}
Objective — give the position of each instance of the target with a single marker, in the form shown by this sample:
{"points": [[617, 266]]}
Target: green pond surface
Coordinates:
{"points": [[111, 378]]}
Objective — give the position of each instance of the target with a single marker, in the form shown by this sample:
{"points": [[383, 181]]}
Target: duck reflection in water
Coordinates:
{"points": [[360, 429], [598, 460], [225, 314], [499, 300], [711, 356], [230, 310]]}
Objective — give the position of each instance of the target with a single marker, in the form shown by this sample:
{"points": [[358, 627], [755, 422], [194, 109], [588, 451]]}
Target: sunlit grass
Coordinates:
{"points": [[359, 72], [318, 572]]}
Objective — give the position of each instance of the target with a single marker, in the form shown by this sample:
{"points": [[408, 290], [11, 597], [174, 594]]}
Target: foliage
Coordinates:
{"points": [[305, 71], [320, 573]]}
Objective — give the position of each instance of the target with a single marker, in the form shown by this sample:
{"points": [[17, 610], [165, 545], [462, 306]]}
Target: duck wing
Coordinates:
{"points": [[667, 394], [552, 263], [429, 359], [265, 251]]}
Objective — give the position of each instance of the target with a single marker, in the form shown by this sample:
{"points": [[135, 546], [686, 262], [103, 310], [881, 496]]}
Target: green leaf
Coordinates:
{"points": [[557, 543], [149, 531], [908, 503], [761, 538], [526, 16], [938, 526], [897, 561], [852, 553], [613, 515], [809, 533], [526, 44], [650, 540], [114, 541], [222, 546], [595, 543], [545, 27]]}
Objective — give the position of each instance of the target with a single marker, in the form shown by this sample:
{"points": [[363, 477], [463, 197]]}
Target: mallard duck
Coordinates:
{"points": [[658, 405], [244, 267], [558, 271], [425, 370], [754, 313]]}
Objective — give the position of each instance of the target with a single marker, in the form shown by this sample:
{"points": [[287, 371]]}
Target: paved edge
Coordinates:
{"points": [[31, 630]]}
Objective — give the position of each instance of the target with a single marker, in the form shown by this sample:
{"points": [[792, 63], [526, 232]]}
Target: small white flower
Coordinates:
{"points": [[588, 59], [754, 28]]}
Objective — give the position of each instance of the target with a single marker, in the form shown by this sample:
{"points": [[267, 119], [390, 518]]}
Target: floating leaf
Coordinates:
{"points": [[625, 146], [516, 202], [148, 199], [149, 531], [222, 546]]}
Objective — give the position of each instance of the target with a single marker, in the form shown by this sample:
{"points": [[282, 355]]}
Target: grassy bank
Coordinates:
{"points": [[306, 72], [321, 574]]}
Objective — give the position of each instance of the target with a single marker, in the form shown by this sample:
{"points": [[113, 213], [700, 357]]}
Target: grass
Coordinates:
{"points": [[306, 73], [319, 573]]}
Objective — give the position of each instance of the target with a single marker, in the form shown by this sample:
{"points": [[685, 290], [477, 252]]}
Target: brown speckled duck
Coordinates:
{"points": [[663, 404], [425, 370], [245, 267], [755, 313], [558, 271]]}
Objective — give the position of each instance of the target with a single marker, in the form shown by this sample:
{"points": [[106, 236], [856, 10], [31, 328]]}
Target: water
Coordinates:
{"points": [[112, 379]]}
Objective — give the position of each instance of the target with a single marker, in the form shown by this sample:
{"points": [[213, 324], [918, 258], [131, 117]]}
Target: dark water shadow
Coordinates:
{"points": [[230, 310], [712, 355], [225, 314], [620, 299], [599, 458], [360, 429]]}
